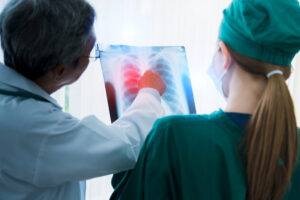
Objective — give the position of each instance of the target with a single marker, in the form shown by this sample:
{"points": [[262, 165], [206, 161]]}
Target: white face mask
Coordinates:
{"points": [[217, 79]]}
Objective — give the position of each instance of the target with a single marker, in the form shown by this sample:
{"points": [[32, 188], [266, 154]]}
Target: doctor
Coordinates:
{"points": [[44, 152]]}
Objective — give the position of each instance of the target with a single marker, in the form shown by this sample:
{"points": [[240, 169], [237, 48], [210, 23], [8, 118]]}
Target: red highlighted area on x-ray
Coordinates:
{"points": [[122, 66]]}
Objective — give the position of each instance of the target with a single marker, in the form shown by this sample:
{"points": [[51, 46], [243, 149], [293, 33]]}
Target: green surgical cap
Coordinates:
{"points": [[266, 30]]}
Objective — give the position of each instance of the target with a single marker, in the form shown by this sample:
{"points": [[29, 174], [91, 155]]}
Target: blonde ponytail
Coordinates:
{"points": [[271, 143], [271, 137]]}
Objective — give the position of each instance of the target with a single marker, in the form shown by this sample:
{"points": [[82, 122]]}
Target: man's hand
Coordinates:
{"points": [[153, 80]]}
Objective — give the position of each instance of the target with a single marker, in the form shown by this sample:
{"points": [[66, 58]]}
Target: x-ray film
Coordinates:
{"points": [[122, 66]]}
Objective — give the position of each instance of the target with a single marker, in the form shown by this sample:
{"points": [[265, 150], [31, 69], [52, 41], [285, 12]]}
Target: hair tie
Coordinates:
{"points": [[274, 72]]}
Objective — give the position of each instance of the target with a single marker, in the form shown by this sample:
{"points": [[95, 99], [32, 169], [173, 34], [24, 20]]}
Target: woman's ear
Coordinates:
{"points": [[226, 54]]}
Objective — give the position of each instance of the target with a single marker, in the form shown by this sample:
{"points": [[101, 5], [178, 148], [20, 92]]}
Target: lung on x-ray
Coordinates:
{"points": [[122, 66]]}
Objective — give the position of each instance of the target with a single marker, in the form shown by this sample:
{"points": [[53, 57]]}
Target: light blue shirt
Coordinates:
{"points": [[46, 153]]}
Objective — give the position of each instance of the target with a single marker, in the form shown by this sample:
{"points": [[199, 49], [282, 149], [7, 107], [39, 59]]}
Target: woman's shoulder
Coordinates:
{"points": [[203, 131], [192, 121], [187, 126], [181, 121]]}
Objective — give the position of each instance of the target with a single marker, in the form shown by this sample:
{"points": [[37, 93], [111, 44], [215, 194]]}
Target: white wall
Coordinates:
{"points": [[294, 84]]}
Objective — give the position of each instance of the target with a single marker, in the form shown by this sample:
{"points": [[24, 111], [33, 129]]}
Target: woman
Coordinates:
{"points": [[44, 152], [249, 150]]}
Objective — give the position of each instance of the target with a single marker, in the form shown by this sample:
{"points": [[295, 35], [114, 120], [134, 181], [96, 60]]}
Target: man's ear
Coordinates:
{"points": [[57, 72], [226, 54]]}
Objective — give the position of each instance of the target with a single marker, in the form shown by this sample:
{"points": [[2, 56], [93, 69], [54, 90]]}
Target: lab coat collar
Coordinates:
{"points": [[12, 78]]}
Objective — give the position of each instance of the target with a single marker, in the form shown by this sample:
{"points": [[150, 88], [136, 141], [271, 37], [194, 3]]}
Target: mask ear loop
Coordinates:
{"points": [[274, 72]]}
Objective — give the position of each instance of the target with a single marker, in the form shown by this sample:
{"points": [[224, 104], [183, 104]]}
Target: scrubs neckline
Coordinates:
{"points": [[224, 118]]}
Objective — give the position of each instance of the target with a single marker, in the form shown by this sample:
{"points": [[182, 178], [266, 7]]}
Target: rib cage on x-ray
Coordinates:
{"points": [[131, 74], [162, 67]]}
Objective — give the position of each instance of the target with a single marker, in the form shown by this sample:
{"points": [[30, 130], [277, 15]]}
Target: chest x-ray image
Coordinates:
{"points": [[122, 66]]}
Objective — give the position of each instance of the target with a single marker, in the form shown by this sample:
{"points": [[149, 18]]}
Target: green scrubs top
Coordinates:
{"points": [[191, 157]]}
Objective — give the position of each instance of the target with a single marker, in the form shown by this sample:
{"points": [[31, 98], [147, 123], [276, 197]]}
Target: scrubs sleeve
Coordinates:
{"points": [[78, 150]]}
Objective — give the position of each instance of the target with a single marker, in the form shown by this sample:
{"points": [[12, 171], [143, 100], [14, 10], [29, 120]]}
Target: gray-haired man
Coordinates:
{"points": [[44, 152]]}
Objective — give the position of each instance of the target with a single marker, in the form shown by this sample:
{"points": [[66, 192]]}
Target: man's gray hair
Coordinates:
{"points": [[37, 35]]}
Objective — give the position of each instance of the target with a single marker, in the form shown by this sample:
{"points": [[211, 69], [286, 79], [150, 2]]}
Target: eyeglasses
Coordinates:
{"points": [[95, 53]]}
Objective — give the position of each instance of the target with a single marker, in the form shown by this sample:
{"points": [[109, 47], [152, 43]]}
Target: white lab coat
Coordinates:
{"points": [[46, 153]]}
